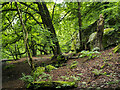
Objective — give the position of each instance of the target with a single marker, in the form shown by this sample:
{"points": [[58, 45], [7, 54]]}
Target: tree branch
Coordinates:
{"points": [[4, 4], [29, 7], [53, 10], [25, 37], [63, 17], [24, 12], [13, 41], [9, 24]]}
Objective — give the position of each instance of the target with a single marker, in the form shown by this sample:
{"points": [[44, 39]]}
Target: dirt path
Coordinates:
{"points": [[10, 76], [13, 71]]}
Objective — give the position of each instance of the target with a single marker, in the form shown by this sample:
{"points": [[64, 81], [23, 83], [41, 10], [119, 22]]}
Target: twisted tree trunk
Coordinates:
{"points": [[25, 38]]}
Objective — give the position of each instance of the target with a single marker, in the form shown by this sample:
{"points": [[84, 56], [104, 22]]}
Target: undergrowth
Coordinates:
{"points": [[39, 79], [89, 54]]}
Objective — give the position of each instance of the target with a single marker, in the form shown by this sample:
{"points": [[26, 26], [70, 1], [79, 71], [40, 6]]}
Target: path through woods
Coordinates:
{"points": [[11, 76]]}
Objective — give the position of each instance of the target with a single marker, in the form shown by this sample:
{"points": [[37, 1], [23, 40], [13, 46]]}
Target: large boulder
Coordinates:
{"points": [[110, 37]]}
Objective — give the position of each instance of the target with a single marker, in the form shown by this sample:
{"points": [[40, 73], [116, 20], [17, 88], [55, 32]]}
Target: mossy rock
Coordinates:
{"points": [[108, 38], [92, 37], [55, 84]]}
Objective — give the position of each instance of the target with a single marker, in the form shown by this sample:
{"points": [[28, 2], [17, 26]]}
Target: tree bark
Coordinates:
{"points": [[100, 31], [80, 24], [47, 21], [25, 38]]}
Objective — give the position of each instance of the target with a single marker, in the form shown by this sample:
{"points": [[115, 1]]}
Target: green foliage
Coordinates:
{"points": [[102, 66], [27, 78], [74, 78], [96, 49], [40, 82], [97, 72], [89, 54], [65, 77], [80, 74], [49, 68], [105, 73], [107, 30], [73, 64], [40, 79], [113, 82], [60, 59], [84, 84], [37, 75], [65, 22], [39, 71], [55, 84], [65, 84], [117, 48], [43, 77]]}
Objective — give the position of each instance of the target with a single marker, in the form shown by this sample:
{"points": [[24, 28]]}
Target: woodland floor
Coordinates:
{"points": [[110, 60]]}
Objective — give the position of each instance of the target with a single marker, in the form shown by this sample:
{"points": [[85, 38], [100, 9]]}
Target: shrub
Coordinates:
{"points": [[49, 68], [97, 72], [89, 54], [74, 65]]}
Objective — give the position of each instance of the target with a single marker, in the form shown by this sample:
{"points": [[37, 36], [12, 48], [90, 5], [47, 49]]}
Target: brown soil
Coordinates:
{"points": [[11, 75], [110, 60], [112, 68]]}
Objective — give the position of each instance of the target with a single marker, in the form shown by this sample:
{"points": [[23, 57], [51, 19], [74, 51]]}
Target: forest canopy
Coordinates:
{"points": [[53, 27]]}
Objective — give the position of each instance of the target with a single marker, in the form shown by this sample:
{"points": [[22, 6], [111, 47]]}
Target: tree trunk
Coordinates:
{"points": [[100, 31], [25, 38], [47, 21], [33, 47], [16, 51], [80, 24]]}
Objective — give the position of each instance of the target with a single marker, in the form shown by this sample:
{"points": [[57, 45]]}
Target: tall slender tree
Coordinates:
{"points": [[80, 24], [25, 37]]}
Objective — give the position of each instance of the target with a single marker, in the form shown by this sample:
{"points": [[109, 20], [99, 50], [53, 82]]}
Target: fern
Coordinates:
{"points": [[117, 48]]}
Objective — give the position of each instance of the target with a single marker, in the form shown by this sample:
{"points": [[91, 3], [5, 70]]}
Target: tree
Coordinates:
{"points": [[100, 31], [47, 21], [80, 25], [52, 25], [25, 38], [45, 18]]}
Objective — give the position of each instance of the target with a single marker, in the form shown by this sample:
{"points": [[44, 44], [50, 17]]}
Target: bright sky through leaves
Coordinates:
{"points": [[58, 1]]}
